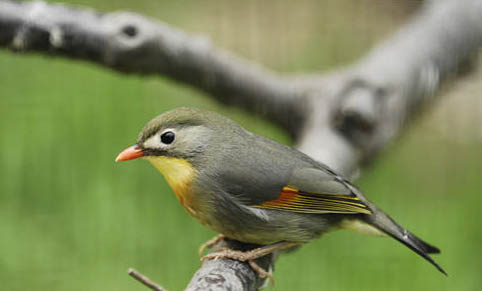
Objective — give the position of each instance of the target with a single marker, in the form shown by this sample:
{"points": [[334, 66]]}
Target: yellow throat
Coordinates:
{"points": [[179, 174]]}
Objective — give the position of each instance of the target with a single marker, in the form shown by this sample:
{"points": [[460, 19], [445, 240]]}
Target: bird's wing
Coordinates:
{"points": [[312, 190]]}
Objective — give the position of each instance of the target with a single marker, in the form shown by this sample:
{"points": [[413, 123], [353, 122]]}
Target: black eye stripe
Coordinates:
{"points": [[154, 152], [167, 137]]}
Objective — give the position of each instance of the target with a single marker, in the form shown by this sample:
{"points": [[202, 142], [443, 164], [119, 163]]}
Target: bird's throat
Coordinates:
{"points": [[179, 174]]}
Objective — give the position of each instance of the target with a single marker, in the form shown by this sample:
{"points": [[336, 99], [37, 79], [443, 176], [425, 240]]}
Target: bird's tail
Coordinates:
{"points": [[383, 222]]}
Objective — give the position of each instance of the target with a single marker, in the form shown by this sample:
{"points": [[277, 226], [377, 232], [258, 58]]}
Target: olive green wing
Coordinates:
{"points": [[317, 191]]}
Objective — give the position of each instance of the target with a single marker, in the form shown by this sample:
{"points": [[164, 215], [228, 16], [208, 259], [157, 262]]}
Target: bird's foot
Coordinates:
{"points": [[210, 243], [250, 256]]}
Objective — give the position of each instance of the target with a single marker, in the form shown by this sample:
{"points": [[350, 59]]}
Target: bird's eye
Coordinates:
{"points": [[167, 137]]}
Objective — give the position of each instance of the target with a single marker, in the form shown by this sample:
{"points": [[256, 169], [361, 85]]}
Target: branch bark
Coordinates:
{"points": [[342, 118], [227, 274]]}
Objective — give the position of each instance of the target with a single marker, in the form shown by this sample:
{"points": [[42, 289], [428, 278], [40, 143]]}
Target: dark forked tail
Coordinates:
{"points": [[384, 223]]}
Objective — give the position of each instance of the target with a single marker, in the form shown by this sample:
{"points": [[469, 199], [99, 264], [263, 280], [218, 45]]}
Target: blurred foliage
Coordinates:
{"points": [[72, 219]]}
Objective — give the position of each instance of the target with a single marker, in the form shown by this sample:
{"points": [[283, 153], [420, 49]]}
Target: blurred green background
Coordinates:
{"points": [[72, 219]]}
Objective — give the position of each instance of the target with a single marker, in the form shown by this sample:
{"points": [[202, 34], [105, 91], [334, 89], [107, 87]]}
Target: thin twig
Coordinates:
{"points": [[144, 280]]}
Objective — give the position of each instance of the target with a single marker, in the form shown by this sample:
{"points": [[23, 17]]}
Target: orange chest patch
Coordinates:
{"points": [[186, 198]]}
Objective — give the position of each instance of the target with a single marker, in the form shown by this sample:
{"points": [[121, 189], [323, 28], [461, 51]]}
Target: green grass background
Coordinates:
{"points": [[72, 219]]}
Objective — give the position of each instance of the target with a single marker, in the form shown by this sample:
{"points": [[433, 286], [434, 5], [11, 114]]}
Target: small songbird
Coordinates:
{"points": [[255, 190]]}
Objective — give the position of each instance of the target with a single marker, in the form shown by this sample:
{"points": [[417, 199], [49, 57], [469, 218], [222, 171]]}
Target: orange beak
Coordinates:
{"points": [[130, 153]]}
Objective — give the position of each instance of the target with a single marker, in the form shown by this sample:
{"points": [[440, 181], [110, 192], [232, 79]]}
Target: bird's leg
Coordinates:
{"points": [[210, 243], [251, 255], [262, 273]]}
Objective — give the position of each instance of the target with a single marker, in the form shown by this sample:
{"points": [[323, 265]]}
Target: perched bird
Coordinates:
{"points": [[255, 190]]}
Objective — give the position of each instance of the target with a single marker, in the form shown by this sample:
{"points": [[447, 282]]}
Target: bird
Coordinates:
{"points": [[254, 190]]}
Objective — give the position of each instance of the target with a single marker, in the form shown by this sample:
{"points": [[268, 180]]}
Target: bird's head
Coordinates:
{"points": [[180, 142], [182, 133]]}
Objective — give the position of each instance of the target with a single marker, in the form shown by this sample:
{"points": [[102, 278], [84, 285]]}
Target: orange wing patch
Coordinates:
{"points": [[291, 199]]}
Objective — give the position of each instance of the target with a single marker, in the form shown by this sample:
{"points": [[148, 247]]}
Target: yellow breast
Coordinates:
{"points": [[179, 175]]}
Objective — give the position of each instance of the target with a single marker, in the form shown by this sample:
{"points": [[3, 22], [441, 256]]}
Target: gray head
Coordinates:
{"points": [[183, 132]]}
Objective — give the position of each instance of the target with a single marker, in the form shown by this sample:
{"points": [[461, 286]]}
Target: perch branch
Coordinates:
{"points": [[227, 274], [342, 118]]}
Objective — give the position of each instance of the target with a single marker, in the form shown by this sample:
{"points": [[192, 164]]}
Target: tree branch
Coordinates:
{"points": [[227, 274], [144, 280], [130, 43], [343, 118]]}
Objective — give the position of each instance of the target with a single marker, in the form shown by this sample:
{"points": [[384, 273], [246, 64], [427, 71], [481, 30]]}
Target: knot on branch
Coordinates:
{"points": [[359, 111]]}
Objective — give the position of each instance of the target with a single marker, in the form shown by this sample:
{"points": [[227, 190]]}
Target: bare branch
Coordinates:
{"points": [[342, 118], [130, 43]]}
